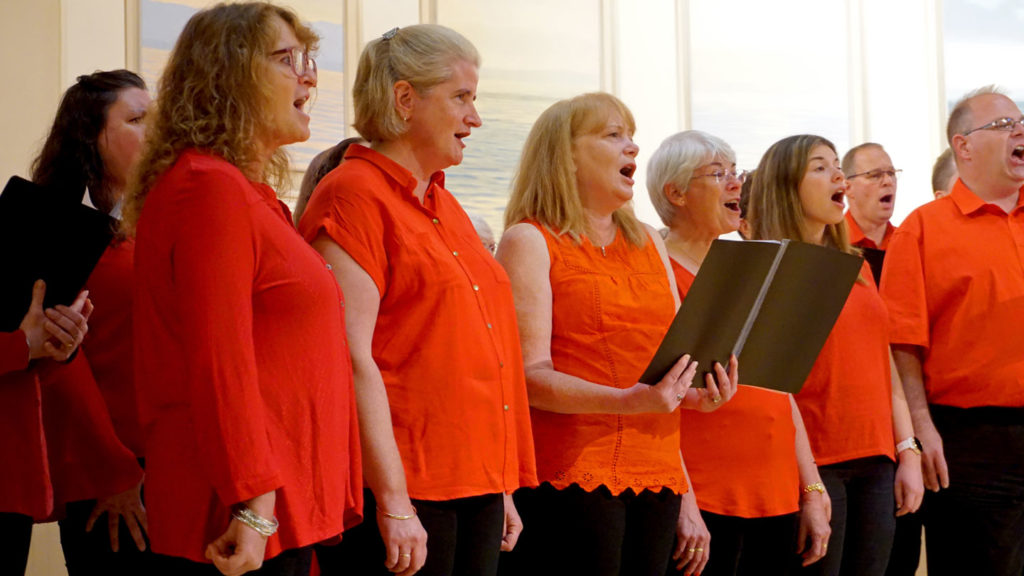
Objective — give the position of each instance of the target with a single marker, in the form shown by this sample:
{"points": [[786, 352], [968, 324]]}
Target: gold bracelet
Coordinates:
{"points": [[816, 487], [398, 516]]}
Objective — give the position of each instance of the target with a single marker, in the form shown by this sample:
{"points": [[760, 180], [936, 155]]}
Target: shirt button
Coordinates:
{"points": [[506, 407], [329, 267], [475, 287], [435, 220], [455, 252], [488, 325]]}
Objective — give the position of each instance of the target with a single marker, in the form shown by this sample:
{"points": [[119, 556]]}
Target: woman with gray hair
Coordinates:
{"points": [[756, 501], [432, 329]]}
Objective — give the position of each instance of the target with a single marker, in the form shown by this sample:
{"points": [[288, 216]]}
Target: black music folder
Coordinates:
{"points": [[772, 304], [42, 235]]}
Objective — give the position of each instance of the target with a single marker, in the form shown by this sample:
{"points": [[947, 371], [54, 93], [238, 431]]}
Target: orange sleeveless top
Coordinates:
{"points": [[610, 310], [741, 457]]}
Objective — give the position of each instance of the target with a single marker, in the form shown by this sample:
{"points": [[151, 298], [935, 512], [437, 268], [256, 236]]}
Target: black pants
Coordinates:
{"points": [[295, 562], [594, 533], [751, 546], [906, 546], [88, 553], [976, 526], [863, 517], [15, 539], [463, 539]]}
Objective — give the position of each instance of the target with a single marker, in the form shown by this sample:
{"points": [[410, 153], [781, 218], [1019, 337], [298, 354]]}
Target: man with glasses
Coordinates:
{"points": [[872, 196], [954, 286]]}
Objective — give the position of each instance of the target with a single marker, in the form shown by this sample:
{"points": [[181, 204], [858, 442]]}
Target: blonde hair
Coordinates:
{"points": [[775, 211], [212, 96], [674, 162], [544, 187], [423, 55]]}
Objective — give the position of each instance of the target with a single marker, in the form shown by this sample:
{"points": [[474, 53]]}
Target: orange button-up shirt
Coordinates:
{"points": [[858, 239], [446, 340], [610, 309], [954, 285], [755, 428]]}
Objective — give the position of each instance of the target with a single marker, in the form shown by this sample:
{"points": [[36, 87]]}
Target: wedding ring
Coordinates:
{"points": [[404, 555], [716, 400], [691, 550], [679, 397]]}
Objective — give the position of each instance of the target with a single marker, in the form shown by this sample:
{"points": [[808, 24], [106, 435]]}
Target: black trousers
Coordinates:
{"points": [[976, 526], [463, 539], [594, 533], [88, 553], [295, 562], [751, 546], [15, 539]]}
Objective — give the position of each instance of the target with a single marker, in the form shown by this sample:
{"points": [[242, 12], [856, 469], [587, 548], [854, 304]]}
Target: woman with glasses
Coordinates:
{"points": [[852, 402], [595, 296], [245, 385], [750, 462], [431, 323]]}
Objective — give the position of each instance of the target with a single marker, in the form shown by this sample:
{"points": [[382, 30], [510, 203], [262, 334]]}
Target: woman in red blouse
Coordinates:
{"points": [[594, 297], [852, 402], [439, 376], [756, 499], [25, 491], [245, 387]]}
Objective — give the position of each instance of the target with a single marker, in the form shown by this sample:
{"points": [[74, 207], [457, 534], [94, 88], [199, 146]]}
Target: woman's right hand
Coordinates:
{"points": [[55, 332], [665, 396], [405, 542]]}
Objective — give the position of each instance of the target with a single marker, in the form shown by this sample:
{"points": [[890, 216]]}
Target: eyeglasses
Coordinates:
{"points": [[299, 60], [877, 175], [725, 175], [1001, 124]]}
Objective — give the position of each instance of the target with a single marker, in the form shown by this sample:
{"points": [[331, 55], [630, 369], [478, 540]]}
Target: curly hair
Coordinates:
{"points": [[544, 187], [70, 160], [212, 96], [775, 210]]}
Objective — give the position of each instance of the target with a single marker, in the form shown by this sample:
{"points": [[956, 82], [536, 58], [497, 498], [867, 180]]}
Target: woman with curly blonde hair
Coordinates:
{"points": [[245, 386]]}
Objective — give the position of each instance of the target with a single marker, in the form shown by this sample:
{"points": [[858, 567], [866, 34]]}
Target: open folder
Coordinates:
{"points": [[772, 304], [43, 235]]}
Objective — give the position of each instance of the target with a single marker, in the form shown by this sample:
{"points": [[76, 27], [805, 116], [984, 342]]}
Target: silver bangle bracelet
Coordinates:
{"points": [[246, 516]]}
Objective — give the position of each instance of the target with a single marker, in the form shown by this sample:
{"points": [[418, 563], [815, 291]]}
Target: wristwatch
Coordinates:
{"points": [[911, 443]]}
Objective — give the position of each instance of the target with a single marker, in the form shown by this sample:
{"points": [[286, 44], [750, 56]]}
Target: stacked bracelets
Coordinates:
{"points": [[265, 527]]}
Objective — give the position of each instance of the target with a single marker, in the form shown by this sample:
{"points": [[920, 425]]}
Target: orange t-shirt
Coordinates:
{"points": [[858, 239], [446, 339], [610, 311], [846, 401], [954, 285], [759, 478]]}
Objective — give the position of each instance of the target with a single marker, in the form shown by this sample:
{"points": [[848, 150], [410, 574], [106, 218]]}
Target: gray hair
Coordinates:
{"points": [[674, 162], [423, 55], [960, 119]]}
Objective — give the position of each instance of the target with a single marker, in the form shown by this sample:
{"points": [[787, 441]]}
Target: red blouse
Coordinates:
{"points": [[610, 310], [759, 478], [446, 339], [25, 483], [242, 366]]}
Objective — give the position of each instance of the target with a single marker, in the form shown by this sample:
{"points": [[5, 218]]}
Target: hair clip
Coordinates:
{"points": [[390, 33]]}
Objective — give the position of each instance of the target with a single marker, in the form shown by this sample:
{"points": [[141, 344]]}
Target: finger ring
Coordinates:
{"points": [[69, 346], [699, 549], [679, 397], [716, 400], [404, 555], [691, 550]]}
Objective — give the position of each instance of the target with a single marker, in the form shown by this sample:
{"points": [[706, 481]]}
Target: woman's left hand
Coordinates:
{"points": [[714, 395], [513, 525], [909, 485], [127, 505], [693, 540]]}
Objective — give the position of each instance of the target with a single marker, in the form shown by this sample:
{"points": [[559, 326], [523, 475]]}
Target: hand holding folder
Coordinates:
{"points": [[772, 304], [45, 237]]}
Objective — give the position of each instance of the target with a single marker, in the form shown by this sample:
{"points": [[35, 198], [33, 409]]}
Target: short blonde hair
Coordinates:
{"points": [[775, 211], [544, 187], [423, 55], [674, 162], [213, 96]]}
